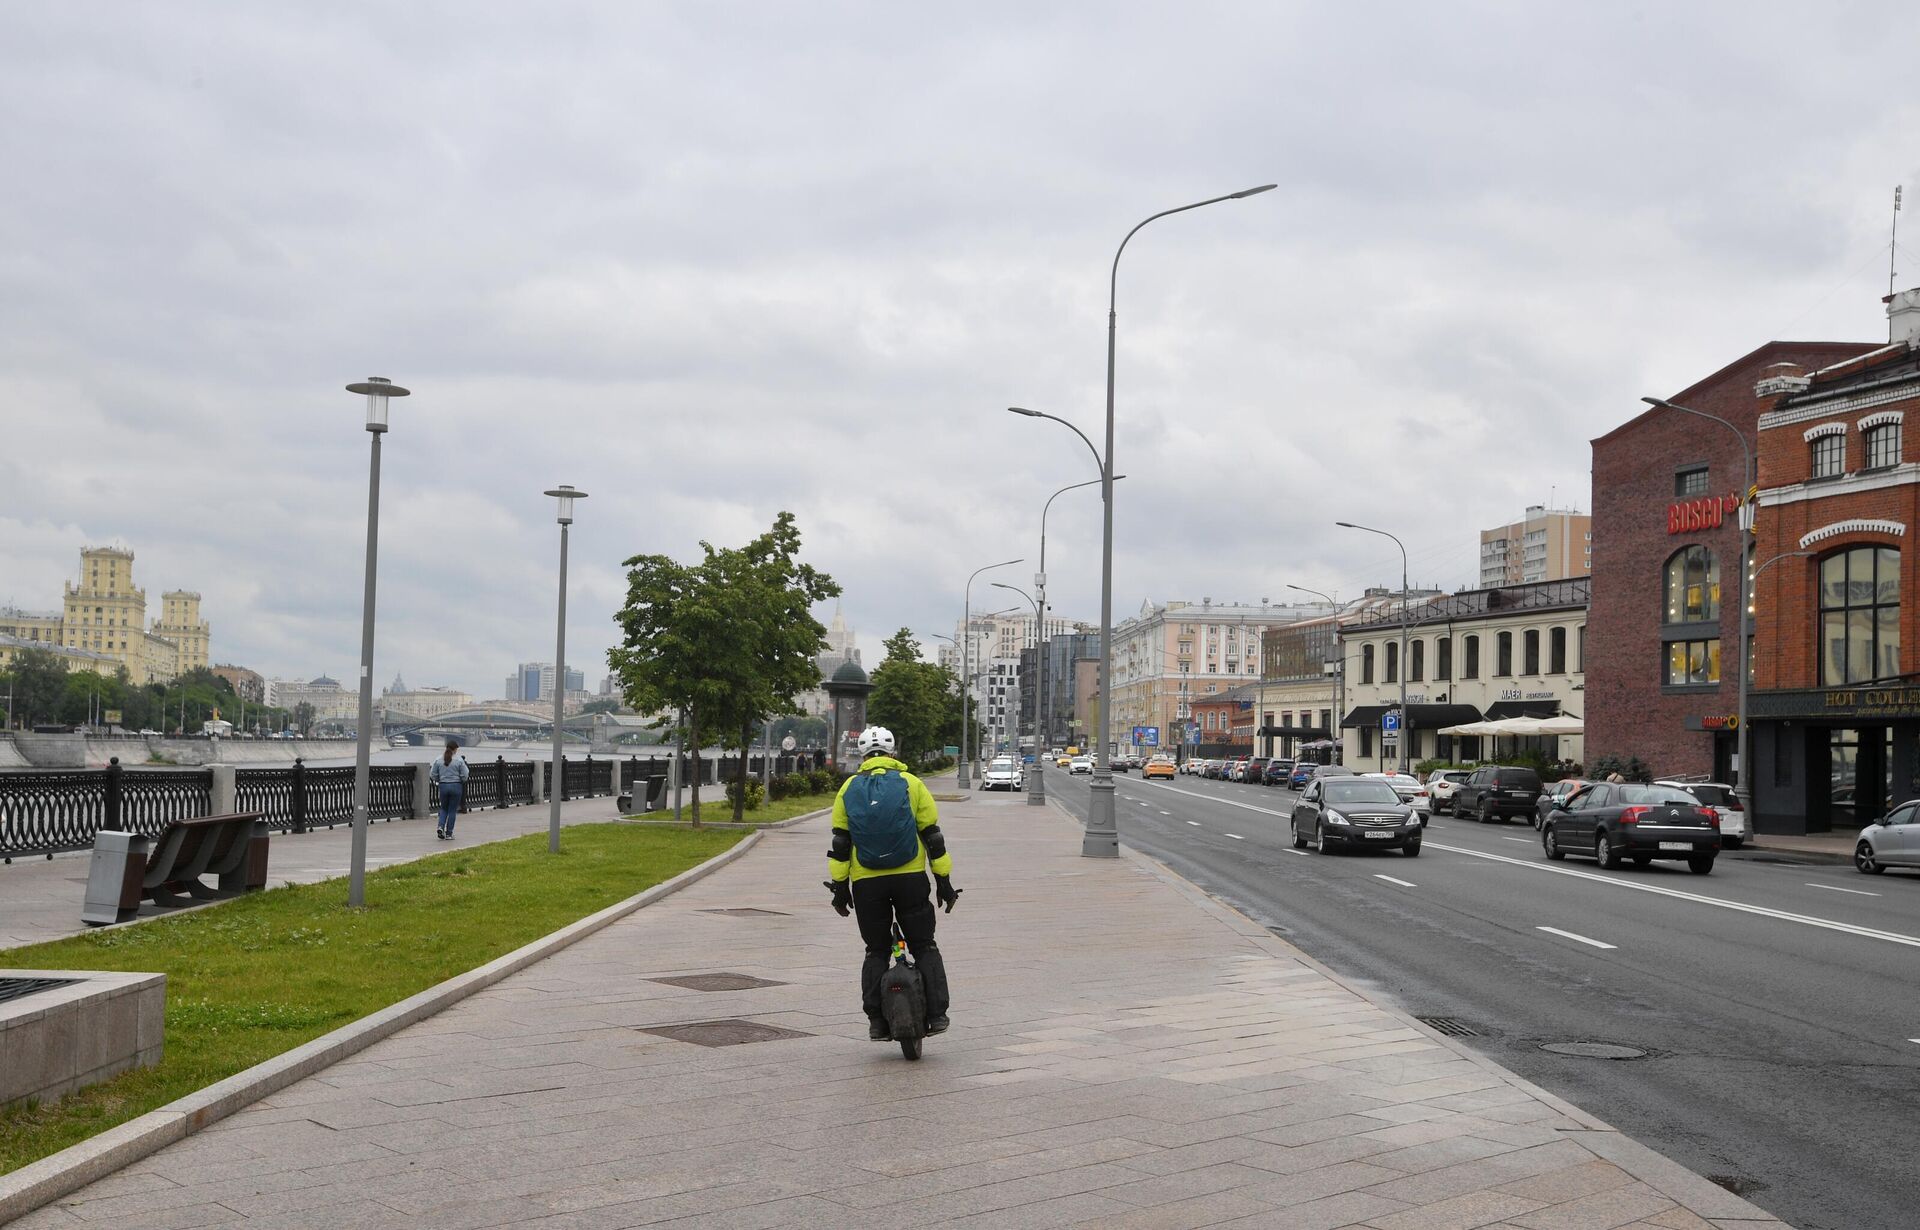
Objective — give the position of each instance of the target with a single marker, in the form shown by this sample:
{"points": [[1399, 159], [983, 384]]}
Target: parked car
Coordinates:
{"points": [[1302, 774], [1002, 774], [1442, 785], [1159, 766], [1611, 820], [1340, 811], [1279, 769], [1080, 764], [1720, 797], [1254, 772], [1121, 764], [1496, 792], [1212, 770], [1556, 794], [1411, 790], [1891, 841]]}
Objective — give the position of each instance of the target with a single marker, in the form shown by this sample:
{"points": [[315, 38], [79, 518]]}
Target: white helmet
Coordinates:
{"points": [[876, 741]]}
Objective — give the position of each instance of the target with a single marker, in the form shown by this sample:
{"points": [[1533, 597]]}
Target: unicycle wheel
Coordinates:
{"points": [[910, 1047]]}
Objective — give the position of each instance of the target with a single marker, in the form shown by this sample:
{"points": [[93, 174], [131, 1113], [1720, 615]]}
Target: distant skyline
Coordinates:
{"points": [[707, 269]]}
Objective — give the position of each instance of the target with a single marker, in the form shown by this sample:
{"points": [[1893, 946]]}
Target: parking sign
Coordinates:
{"points": [[1390, 722]]}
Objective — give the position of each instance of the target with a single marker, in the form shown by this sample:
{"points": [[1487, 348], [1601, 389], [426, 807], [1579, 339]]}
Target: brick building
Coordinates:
{"points": [[1667, 488], [1835, 706]]}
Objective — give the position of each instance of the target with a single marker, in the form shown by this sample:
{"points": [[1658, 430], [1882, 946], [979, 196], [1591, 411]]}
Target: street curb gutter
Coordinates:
{"points": [[41, 1183], [1661, 1173]]}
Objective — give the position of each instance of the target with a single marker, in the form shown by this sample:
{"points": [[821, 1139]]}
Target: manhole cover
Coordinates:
{"points": [[717, 982], [1595, 1050], [20, 988], [747, 911], [723, 1033], [1452, 1026]]}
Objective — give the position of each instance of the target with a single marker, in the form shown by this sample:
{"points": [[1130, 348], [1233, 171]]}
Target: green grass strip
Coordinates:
{"points": [[262, 974], [715, 809]]}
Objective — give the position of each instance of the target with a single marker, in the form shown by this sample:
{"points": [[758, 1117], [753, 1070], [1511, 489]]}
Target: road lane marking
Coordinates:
{"points": [[1214, 798], [1236, 836], [1301, 853], [1527, 840], [1858, 892], [1194, 823], [1166, 813], [1401, 883], [1581, 938], [1807, 920]]}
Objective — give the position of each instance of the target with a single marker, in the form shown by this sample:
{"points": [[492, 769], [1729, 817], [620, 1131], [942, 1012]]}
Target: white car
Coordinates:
{"points": [[1442, 785], [1001, 774], [1080, 764], [1411, 792], [1726, 805], [1891, 841]]}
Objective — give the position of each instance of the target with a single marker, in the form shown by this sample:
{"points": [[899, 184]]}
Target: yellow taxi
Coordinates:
{"points": [[1160, 766]]}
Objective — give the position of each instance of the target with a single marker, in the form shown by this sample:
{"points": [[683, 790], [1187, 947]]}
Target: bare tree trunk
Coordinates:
{"points": [[740, 778], [693, 742]]}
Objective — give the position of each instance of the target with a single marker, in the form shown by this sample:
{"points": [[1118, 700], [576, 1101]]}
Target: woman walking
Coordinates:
{"points": [[449, 773]]}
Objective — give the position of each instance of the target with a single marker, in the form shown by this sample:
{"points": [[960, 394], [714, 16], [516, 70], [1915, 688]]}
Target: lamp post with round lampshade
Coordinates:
{"points": [[377, 390], [566, 495]]}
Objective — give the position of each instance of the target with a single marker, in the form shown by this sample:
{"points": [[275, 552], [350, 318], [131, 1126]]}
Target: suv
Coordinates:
{"points": [[1726, 804], [1278, 770], [1442, 785], [1255, 772], [1498, 792]]}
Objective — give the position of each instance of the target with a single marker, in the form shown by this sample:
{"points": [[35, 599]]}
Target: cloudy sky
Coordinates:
{"points": [[708, 262]]}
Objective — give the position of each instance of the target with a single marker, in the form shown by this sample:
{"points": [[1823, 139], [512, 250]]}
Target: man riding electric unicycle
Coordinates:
{"points": [[886, 836]]}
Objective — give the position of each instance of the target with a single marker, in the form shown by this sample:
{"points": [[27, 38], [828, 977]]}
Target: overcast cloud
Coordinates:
{"points": [[708, 262]]}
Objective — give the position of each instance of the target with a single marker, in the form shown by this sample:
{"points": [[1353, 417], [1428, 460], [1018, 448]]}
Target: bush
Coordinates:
{"points": [[756, 795], [934, 764], [777, 788], [1428, 768], [819, 781], [793, 785], [1632, 768]]}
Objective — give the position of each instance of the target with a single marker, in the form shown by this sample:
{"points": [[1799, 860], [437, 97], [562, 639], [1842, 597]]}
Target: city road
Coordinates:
{"points": [[1774, 999]]}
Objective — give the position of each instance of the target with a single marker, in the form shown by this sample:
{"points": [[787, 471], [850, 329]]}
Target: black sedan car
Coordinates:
{"points": [[1608, 821], [1337, 812]]}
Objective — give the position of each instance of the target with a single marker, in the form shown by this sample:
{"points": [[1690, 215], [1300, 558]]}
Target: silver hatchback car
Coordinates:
{"points": [[1891, 841]]}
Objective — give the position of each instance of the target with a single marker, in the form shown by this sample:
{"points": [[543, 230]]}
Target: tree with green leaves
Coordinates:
{"points": [[38, 680], [918, 701]]}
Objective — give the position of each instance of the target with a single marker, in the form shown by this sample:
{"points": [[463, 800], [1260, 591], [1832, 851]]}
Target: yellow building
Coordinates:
{"points": [[76, 659], [181, 624], [105, 614]]}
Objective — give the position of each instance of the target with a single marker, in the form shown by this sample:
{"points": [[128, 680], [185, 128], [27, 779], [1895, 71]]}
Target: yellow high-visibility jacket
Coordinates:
{"points": [[843, 860]]}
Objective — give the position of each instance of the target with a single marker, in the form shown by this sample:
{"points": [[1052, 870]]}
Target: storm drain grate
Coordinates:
{"points": [[717, 982], [747, 911], [20, 988], [723, 1033], [1452, 1026]]}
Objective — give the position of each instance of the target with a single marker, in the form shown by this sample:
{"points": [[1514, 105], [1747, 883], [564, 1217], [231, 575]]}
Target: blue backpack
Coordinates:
{"points": [[880, 819]]}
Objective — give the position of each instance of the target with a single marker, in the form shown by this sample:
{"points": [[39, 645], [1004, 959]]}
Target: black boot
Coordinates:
{"points": [[877, 1031], [938, 1024]]}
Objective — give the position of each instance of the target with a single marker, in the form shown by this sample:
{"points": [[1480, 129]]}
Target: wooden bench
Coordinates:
{"points": [[232, 848]]}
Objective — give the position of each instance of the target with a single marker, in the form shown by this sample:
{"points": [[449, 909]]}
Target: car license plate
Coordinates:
{"points": [[1378, 834], [1676, 845]]}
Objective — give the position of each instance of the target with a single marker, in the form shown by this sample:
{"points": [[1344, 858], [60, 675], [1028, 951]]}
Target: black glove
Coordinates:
{"points": [[944, 890], [842, 894]]}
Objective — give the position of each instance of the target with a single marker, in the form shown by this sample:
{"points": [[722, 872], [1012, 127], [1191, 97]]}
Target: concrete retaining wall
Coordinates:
{"points": [[24, 750]]}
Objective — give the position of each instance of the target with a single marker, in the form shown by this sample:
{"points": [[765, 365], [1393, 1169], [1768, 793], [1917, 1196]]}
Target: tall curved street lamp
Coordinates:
{"points": [[1039, 621], [1042, 732], [566, 495], [377, 390], [966, 657], [1406, 727], [1742, 780], [1102, 837]]}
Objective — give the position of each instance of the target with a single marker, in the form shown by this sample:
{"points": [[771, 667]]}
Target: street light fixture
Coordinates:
{"points": [[1037, 792], [1039, 627], [1102, 837], [377, 390], [966, 657], [1406, 727], [1742, 779], [566, 495]]}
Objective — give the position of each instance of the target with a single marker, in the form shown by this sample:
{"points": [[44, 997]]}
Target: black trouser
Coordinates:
{"points": [[877, 902]]}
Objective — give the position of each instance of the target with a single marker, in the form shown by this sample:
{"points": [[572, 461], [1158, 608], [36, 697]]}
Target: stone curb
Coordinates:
{"points": [[41, 1183], [1603, 1140], [1758, 845]]}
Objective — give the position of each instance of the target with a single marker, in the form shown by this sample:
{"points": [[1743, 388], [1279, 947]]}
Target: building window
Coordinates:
{"points": [[1690, 481], [1470, 665], [1503, 661], [1366, 664], [1692, 585], [1443, 658], [1829, 456], [1366, 740], [1417, 661], [1326, 719], [1393, 663], [1860, 615], [1557, 651], [1690, 662], [1530, 651], [1883, 446]]}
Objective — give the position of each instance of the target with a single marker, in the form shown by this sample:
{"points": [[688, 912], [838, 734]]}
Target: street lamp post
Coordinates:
{"points": [[1102, 837], [1406, 727], [1339, 671], [1038, 793], [966, 658], [566, 495], [1742, 780], [1034, 796], [377, 390]]}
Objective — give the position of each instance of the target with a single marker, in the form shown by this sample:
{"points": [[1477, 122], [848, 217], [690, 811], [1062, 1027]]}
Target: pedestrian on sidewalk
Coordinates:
{"points": [[449, 776], [878, 862]]}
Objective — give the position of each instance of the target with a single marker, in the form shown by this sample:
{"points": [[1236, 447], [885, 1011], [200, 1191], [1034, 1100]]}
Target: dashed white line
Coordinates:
{"points": [[1301, 853], [1166, 813], [1858, 892], [1527, 840], [1194, 823], [1236, 836], [1392, 880], [1580, 938]]}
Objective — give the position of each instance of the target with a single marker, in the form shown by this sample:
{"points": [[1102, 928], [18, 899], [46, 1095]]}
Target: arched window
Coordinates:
{"points": [[1393, 662], [1470, 667], [1530, 642], [1503, 658], [1443, 652], [1693, 586], [1417, 662], [1366, 664], [1859, 615], [1557, 651]]}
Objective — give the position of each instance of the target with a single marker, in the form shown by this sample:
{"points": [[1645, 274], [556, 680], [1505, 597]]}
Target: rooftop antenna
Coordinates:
{"points": [[1893, 245]]}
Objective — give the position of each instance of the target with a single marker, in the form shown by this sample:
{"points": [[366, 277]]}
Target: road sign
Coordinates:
{"points": [[950, 750], [1390, 722]]}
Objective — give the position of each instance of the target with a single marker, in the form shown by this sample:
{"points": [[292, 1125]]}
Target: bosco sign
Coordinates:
{"points": [[1706, 513]]}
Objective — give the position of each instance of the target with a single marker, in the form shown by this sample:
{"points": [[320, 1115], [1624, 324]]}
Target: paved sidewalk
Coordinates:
{"points": [[1125, 1053], [40, 897]]}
